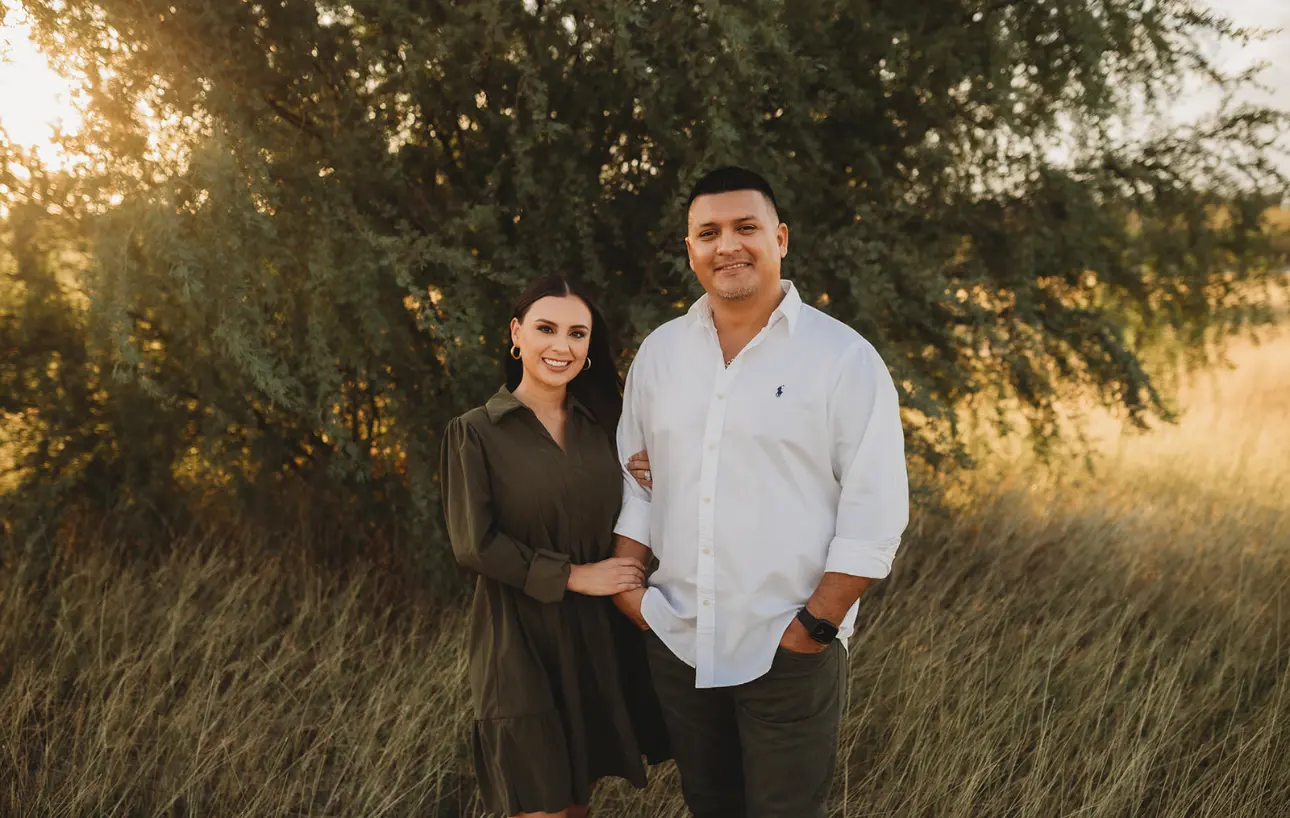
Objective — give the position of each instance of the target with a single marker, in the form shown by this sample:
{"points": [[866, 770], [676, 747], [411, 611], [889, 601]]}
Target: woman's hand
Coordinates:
{"points": [[607, 577], [638, 465]]}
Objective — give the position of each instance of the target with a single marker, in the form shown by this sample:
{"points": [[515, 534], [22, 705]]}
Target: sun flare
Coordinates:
{"points": [[36, 103]]}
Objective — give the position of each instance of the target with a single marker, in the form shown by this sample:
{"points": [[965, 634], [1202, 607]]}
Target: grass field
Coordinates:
{"points": [[1057, 644]]}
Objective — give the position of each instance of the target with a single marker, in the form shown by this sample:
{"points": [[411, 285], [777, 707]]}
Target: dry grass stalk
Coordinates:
{"points": [[1060, 644]]}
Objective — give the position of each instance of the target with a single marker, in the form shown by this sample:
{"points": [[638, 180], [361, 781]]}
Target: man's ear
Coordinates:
{"points": [[781, 238]]}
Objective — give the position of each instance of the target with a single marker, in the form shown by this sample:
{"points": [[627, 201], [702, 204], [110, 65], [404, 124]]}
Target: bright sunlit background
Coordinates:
{"points": [[1232, 57], [35, 101]]}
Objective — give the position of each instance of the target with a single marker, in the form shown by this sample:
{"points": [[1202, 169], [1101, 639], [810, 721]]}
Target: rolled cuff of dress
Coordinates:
{"points": [[548, 576], [861, 559], [633, 520]]}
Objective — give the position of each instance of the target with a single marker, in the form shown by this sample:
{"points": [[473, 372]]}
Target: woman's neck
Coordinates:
{"points": [[539, 397]]}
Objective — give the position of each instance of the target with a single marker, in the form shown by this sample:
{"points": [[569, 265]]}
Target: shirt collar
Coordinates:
{"points": [[503, 403], [790, 308]]}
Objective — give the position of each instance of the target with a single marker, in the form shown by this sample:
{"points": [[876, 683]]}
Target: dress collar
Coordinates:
{"points": [[504, 402]]}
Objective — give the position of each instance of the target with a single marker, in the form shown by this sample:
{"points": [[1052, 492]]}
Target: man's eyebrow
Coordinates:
{"points": [[748, 218]]}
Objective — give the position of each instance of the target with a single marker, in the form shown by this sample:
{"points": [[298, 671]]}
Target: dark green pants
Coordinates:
{"points": [[765, 749]]}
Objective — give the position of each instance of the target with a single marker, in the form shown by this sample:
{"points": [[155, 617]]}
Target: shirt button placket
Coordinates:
{"points": [[705, 647]]}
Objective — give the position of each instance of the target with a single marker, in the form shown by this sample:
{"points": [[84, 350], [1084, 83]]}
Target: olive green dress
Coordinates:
{"points": [[559, 681]]}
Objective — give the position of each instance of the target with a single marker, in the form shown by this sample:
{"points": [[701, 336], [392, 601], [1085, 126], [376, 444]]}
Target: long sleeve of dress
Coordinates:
{"points": [[476, 542]]}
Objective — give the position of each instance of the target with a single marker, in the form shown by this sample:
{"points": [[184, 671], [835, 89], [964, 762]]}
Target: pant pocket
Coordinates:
{"points": [[793, 661]]}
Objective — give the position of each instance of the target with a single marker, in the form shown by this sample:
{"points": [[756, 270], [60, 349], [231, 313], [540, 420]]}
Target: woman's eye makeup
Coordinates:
{"points": [[579, 334]]}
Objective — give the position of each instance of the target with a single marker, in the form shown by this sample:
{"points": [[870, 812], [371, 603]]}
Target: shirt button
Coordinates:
{"points": [[707, 499], [707, 602], [712, 447], [707, 550], [720, 395]]}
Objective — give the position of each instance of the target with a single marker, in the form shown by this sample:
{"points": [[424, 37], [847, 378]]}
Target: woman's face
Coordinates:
{"points": [[553, 339]]}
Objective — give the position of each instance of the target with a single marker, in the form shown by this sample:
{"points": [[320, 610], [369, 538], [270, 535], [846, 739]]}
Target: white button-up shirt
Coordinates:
{"points": [[767, 474]]}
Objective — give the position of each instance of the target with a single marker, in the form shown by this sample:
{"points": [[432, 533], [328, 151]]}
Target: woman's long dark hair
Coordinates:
{"points": [[599, 388]]}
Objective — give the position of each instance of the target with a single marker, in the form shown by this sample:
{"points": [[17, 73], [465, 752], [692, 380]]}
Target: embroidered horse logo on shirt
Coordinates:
{"points": [[780, 391]]}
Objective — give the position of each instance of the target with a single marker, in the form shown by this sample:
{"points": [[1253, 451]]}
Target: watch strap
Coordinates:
{"points": [[821, 630]]}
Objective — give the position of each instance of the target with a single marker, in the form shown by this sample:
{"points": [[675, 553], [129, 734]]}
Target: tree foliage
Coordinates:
{"points": [[304, 221]]}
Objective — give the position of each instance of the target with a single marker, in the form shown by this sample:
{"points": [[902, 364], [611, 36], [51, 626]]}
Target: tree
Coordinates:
{"points": [[309, 218]]}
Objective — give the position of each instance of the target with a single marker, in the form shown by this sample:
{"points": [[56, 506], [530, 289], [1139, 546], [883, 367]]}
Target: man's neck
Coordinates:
{"points": [[746, 316]]}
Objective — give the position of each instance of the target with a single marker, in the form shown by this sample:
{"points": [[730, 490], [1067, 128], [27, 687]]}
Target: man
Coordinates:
{"points": [[777, 492]]}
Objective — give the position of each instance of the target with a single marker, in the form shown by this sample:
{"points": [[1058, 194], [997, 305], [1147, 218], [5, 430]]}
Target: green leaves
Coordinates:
{"points": [[330, 207]]}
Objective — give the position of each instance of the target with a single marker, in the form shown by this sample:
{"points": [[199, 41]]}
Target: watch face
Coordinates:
{"points": [[824, 632]]}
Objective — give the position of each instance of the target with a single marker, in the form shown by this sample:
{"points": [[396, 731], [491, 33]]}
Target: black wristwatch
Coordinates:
{"points": [[821, 630]]}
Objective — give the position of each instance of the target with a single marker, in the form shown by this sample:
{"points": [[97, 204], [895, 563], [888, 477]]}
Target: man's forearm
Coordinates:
{"points": [[835, 595], [629, 602], [627, 547]]}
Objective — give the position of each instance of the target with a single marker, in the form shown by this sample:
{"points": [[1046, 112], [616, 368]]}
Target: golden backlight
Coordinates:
{"points": [[35, 102]]}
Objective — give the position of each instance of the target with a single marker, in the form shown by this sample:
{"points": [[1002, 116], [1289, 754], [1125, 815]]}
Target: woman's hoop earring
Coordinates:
{"points": [[515, 352], [586, 364]]}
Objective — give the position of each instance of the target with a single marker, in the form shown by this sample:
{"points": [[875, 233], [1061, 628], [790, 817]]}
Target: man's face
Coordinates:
{"points": [[735, 241]]}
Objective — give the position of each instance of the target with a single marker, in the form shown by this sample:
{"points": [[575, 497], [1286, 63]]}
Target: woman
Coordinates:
{"points": [[532, 486]]}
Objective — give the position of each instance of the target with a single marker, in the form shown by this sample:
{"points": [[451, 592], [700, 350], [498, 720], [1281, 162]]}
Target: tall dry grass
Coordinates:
{"points": [[1056, 644]]}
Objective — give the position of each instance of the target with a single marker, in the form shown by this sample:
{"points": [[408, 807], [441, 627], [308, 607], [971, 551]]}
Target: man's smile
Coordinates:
{"points": [[732, 267]]}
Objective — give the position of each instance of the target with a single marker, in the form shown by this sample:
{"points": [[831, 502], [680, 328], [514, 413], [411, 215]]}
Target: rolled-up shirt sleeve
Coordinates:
{"points": [[869, 460], [476, 542], [634, 517]]}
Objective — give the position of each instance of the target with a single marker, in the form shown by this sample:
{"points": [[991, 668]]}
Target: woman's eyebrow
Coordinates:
{"points": [[549, 322]]}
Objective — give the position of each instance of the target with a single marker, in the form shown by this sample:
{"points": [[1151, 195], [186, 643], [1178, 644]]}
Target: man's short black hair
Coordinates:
{"points": [[731, 178]]}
